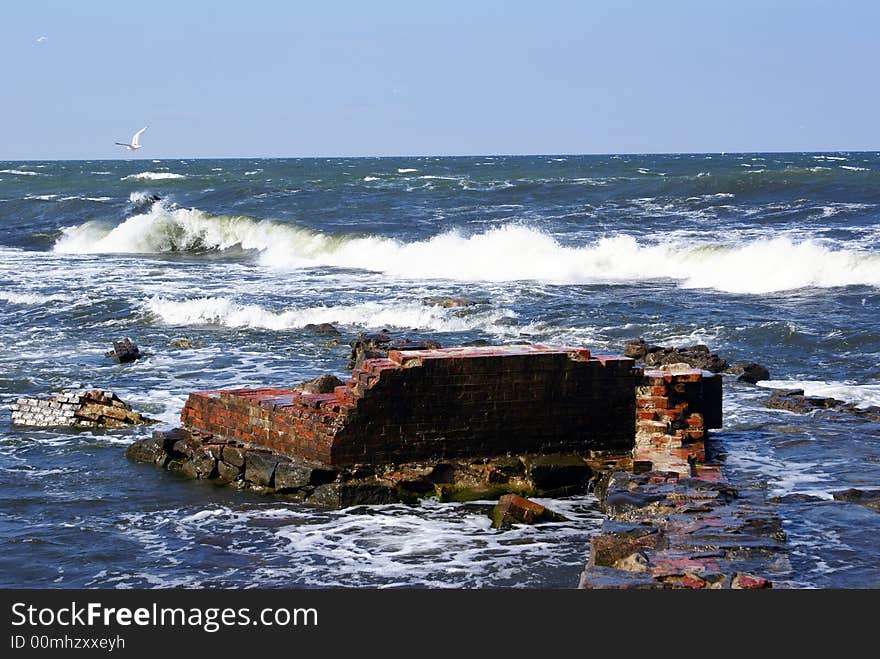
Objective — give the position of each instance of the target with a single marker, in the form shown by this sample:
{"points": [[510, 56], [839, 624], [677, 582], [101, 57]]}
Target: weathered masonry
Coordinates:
{"points": [[439, 404], [456, 423]]}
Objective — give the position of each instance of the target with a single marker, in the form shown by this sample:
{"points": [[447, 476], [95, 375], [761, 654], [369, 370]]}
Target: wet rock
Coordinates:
{"points": [[184, 343], [794, 400], [295, 475], [867, 498], [322, 329], [797, 497], [124, 351], [619, 502], [476, 343], [513, 509], [610, 548], [451, 302], [150, 450], [234, 456], [344, 495], [259, 467], [323, 384], [376, 346], [227, 473], [568, 473], [695, 356], [754, 373], [749, 582]]}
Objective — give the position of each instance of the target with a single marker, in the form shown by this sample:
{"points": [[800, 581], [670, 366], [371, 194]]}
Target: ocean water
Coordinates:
{"points": [[767, 257]]}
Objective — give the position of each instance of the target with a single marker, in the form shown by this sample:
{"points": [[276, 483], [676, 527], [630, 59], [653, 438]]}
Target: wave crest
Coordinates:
{"points": [[508, 253]]}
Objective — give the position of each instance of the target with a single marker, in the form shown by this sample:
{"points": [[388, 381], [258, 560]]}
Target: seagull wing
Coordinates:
{"points": [[137, 136]]}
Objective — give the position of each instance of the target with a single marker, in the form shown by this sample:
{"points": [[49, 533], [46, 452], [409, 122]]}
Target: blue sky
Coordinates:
{"points": [[265, 78]]}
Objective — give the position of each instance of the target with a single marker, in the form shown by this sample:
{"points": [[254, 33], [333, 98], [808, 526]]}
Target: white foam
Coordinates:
{"points": [[31, 298], [406, 170], [152, 176], [855, 169], [371, 178], [229, 313], [861, 395], [20, 172], [512, 252]]}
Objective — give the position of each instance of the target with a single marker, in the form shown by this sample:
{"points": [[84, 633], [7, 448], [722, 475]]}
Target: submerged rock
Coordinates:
{"points": [[794, 400], [868, 498], [185, 343], [324, 329]]}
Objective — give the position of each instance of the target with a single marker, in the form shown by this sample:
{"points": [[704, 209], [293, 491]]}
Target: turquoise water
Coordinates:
{"points": [[767, 257]]}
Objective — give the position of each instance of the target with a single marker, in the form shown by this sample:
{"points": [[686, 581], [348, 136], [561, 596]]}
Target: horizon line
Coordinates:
{"points": [[427, 155]]}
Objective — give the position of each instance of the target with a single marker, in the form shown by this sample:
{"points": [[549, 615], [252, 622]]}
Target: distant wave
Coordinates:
{"points": [[511, 252], [229, 313], [20, 172], [406, 170], [152, 176]]}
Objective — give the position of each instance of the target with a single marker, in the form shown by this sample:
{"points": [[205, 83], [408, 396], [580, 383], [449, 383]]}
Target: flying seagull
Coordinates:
{"points": [[135, 139], [41, 39]]}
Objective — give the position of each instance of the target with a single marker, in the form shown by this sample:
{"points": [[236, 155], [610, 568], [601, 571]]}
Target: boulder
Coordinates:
{"points": [[150, 450], [323, 384], [514, 509], [322, 329], [124, 351], [259, 467], [227, 473], [867, 498], [377, 346], [344, 495], [754, 373], [695, 356]]}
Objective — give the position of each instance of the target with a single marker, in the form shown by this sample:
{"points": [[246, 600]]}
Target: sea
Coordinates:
{"points": [[765, 257]]}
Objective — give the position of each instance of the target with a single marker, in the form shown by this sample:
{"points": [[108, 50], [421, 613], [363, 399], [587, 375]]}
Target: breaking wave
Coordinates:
{"points": [[151, 176], [511, 252], [229, 313], [861, 395]]}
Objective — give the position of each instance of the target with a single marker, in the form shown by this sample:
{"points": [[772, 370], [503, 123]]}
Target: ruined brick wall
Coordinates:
{"points": [[90, 409], [675, 407], [435, 404]]}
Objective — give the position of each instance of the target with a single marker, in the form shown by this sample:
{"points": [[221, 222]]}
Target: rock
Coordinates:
{"points": [[124, 351], [234, 456], [185, 343], [450, 302], [695, 356], [623, 541], [295, 475], [754, 373], [635, 562], [868, 498], [323, 329], [749, 581], [149, 450], [323, 384], [227, 473], [513, 509], [259, 467], [619, 502], [344, 495], [376, 346], [797, 497], [635, 349]]}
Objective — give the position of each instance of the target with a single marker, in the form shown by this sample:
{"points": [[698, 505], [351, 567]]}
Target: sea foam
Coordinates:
{"points": [[151, 176], [511, 252]]}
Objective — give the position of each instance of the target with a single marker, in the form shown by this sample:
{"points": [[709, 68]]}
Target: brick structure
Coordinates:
{"points": [[438, 404], [89, 409], [675, 407]]}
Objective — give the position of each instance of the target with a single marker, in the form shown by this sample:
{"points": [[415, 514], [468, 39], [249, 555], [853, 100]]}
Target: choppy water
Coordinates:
{"points": [[768, 257]]}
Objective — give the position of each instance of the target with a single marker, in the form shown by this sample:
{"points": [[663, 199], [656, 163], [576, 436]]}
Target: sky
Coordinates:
{"points": [[338, 78]]}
